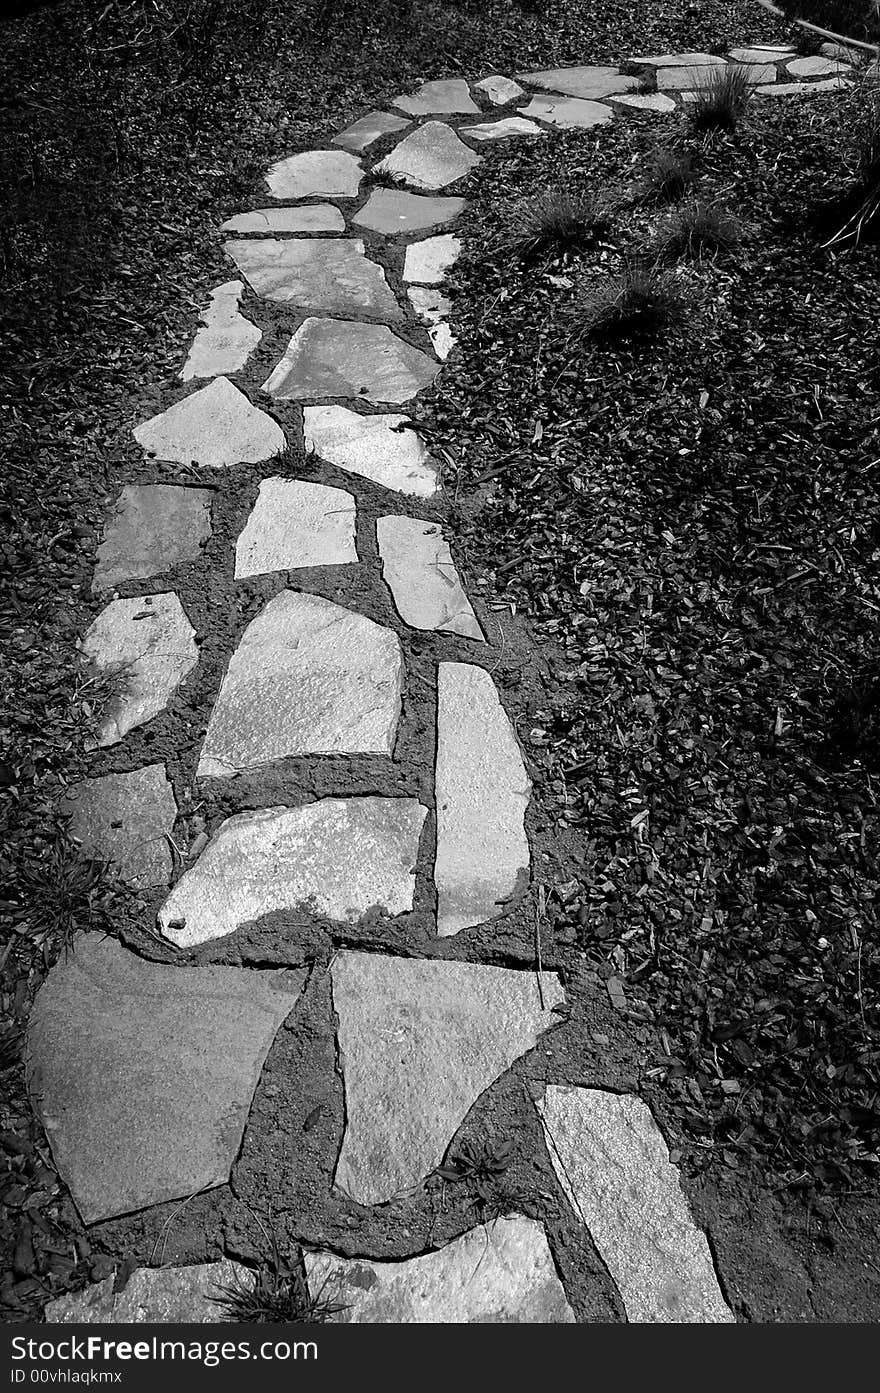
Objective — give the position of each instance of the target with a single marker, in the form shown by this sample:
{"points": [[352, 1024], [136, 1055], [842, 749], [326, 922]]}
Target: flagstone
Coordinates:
{"points": [[316, 174], [817, 66], [343, 358], [680, 60], [499, 1273], [587, 82], [482, 792], [143, 1074], [216, 426], [800, 89], [419, 1040], [500, 90], [153, 1296], [152, 528], [418, 568], [126, 820], [430, 158], [674, 79], [370, 128], [504, 129], [446, 97], [429, 260], [293, 524], [308, 677], [143, 649], [226, 339], [314, 217], [646, 101], [340, 858], [331, 275], [432, 307], [762, 53], [393, 210], [568, 112], [385, 448]]}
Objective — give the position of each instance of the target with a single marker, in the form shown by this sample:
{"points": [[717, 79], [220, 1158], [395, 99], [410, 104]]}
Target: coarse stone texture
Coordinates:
{"points": [[126, 819], [392, 210], [482, 792], [143, 1074], [500, 1273], [330, 274], [645, 101], [226, 339], [294, 524], [756, 72], [613, 1164], [674, 79], [315, 217], [501, 91], [143, 649], [419, 1041], [385, 448], [680, 60], [370, 128], [339, 857], [504, 129], [343, 358], [816, 66], [153, 1296], [764, 53], [152, 528], [568, 112], [430, 158], [591, 83], [432, 309], [216, 426], [307, 678], [427, 262], [316, 174], [800, 89], [417, 567], [446, 97]]}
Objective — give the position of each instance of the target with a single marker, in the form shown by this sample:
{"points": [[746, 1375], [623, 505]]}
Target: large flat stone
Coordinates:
{"points": [[763, 53], [419, 1041], [126, 819], [504, 129], [613, 1164], [307, 678], [591, 83], [501, 91], [569, 113], [316, 174], [427, 262], [817, 66], [370, 128], [152, 528], [680, 60], [330, 274], [482, 792], [293, 524], [391, 211], [433, 309], [226, 339], [143, 649], [385, 448], [339, 858], [314, 217], [153, 1296], [143, 1074], [342, 358], [417, 567], [446, 97], [692, 76], [430, 158], [646, 101], [800, 89], [215, 426], [500, 1273]]}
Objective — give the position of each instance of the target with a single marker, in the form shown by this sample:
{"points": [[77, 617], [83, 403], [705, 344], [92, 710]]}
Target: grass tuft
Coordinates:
{"points": [[554, 221], [668, 174], [277, 1297], [721, 101], [637, 303], [698, 228]]}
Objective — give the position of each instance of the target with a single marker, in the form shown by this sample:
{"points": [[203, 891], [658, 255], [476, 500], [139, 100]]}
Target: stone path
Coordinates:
{"points": [[409, 839]]}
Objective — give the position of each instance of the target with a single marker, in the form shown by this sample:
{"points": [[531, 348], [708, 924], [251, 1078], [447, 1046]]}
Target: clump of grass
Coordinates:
{"points": [[63, 893], [667, 175], [554, 221], [697, 228], [637, 303], [721, 100], [277, 1296], [861, 121]]}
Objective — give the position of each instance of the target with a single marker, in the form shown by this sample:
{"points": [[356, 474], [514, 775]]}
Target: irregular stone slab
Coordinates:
{"points": [[419, 1041], [385, 448], [482, 791], [216, 426], [500, 90], [674, 79], [428, 261], [646, 101], [816, 66], [295, 524], [504, 129], [333, 358], [368, 130], [391, 211], [800, 89], [430, 158], [316, 174], [765, 53], [568, 112], [589, 82], [153, 1296], [447, 97], [680, 60], [226, 339], [152, 528], [143, 648], [315, 217], [418, 569], [613, 1164], [500, 1273], [126, 819], [143, 1074], [432, 308], [332, 275], [338, 858], [307, 678]]}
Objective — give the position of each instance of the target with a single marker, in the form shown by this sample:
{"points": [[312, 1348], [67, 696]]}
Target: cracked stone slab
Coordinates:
{"points": [[216, 426], [816, 66], [152, 528], [143, 649], [307, 678], [446, 97], [500, 1273], [153, 1296], [482, 792], [331, 275], [293, 524], [339, 858], [613, 1164], [419, 571], [126, 819], [316, 174], [143, 1074], [370, 128], [428, 262], [432, 309], [226, 339], [430, 158], [568, 112], [419, 1041], [393, 210], [315, 217], [588, 82], [385, 448], [343, 358], [501, 91], [504, 129], [646, 101], [799, 89]]}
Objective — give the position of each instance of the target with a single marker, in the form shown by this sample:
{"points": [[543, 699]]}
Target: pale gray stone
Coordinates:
{"points": [[590, 82], [762, 53], [143, 1074], [141, 650], [646, 101], [756, 72], [501, 91], [680, 60], [226, 339], [392, 210], [330, 274], [499, 1273], [126, 819], [816, 66], [430, 158], [427, 262], [504, 129], [482, 792], [419, 1041], [307, 678], [833, 50], [418, 569], [314, 217], [800, 89], [568, 112], [216, 426], [385, 448], [153, 1296], [316, 174], [339, 858], [370, 128], [342, 358], [446, 97], [293, 524], [674, 79], [152, 528], [613, 1164], [432, 308]]}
